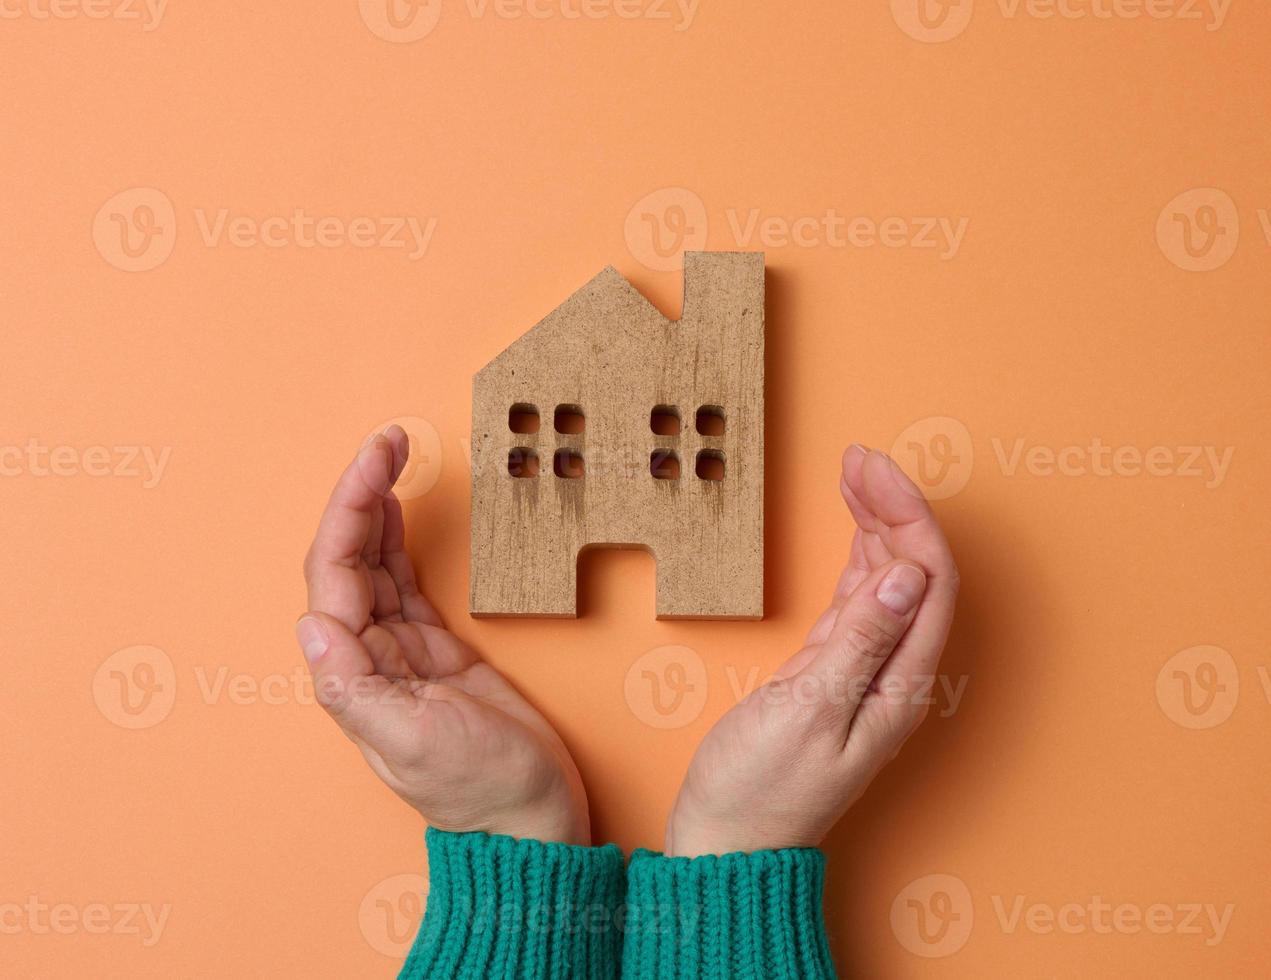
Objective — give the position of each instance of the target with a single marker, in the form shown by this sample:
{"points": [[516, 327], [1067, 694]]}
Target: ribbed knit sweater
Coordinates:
{"points": [[501, 908]]}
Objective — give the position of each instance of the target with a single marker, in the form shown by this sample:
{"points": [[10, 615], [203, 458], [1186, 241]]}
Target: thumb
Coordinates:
{"points": [[869, 625], [344, 678]]}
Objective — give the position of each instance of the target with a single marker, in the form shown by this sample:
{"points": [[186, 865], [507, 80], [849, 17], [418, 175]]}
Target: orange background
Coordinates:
{"points": [[1063, 774]]}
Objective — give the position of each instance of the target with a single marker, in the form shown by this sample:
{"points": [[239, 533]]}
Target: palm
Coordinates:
{"points": [[442, 728]]}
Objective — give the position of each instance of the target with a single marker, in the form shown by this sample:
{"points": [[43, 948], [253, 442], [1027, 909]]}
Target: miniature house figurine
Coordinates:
{"points": [[608, 425]]}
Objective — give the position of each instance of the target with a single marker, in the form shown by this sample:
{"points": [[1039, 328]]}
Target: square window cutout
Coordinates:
{"points": [[664, 465], [523, 419], [570, 420], [522, 463], [664, 420], [710, 465], [710, 420], [568, 464]]}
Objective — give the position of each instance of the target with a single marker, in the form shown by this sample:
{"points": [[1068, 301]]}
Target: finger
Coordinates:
{"points": [[913, 666], [400, 442], [399, 447], [847, 583], [873, 546], [386, 604], [849, 485], [866, 631], [796, 663], [337, 582], [371, 547], [406, 720], [908, 526], [393, 557], [857, 568], [902, 518], [346, 521], [853, 573], [430, 651], [387, 654], [820, 630], [913, 533], [344, 679]]}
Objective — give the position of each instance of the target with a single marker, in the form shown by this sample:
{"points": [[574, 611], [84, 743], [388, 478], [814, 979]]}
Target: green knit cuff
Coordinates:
{"points": [[738, 915], [500, 908]]}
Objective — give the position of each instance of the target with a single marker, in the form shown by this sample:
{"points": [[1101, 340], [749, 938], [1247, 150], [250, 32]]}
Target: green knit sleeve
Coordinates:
{"points": [[508, 909], [752, 915]]}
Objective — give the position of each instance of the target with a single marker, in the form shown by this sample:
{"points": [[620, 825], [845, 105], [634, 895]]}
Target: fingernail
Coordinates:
{"points": [[313, 638], [859, 448], [901, 588]]}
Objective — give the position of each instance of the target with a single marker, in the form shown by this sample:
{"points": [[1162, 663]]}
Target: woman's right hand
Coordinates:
{"points": [[442, 728]]}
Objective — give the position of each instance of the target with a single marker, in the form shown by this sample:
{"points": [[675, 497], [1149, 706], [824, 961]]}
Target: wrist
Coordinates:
{"points": [[554, 821], [573, 833], [692, 833], [548, 825], [699, 841]]}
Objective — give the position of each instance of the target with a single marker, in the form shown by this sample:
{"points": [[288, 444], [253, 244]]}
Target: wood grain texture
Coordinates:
{"points": [[607, 351]]}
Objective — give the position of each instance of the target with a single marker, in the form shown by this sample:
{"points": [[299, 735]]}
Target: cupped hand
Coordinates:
{"points": [[780, 768], [443, 729]]}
